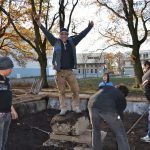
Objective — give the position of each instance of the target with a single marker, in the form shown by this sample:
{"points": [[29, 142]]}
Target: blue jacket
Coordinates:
{"points": [[56, 43], [105, 84]]}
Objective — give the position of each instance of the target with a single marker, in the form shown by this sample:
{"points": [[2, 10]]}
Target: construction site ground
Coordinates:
{"points": [[23, 137]]}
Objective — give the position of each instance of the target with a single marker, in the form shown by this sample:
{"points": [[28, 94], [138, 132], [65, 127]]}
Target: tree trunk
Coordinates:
{"points": [[137, 66], [43, 66], [85, 70]]}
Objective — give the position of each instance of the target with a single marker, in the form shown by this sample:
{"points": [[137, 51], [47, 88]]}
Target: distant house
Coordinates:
{"points": [[32, 69], [128, 65], [90, 65]]}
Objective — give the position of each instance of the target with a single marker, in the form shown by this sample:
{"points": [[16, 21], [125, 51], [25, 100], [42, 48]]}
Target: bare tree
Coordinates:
{"points": [[38, 43], [62, 12], [119, 59], [128, 27], [109, 61], [4, 24]]}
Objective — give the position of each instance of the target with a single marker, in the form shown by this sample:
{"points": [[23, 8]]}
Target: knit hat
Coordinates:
{"points": [[63, 30], [6, 63]]}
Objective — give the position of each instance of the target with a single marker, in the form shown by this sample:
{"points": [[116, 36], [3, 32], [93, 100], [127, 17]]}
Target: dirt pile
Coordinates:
{"points": [[23, 137]]}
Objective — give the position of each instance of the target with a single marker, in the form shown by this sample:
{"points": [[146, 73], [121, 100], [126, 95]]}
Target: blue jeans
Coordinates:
{"points": [[5, 120], [115, 125]]}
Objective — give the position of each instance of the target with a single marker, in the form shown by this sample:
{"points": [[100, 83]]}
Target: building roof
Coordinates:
{"points": [[90, 58]]}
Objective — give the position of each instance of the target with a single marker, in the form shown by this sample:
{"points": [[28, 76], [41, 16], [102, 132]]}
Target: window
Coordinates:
{"points": [[87, 71], [145, 55], [93, 57], [78, 70], [95, 70], [91, 70]]}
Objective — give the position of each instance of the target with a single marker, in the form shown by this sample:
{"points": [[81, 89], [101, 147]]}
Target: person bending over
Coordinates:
{"points": [[108, 105]]}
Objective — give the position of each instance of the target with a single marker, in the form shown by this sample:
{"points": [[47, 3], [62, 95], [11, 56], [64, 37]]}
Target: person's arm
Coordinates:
{"points": [[49, 36], [101, 84], [82, 34], [14, 114], [145, 82], [146, 78]]}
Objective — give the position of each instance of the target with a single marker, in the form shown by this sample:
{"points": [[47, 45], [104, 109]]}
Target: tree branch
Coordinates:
{"points": [[38, 41], [61, 13], [112, 10], [72, 10], [11, 21], [116, 42], [144, 23], [47, 14]]}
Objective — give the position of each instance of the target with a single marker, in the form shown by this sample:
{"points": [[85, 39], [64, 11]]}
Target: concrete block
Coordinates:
{"points": [[136, 107], [85, 138], [30, 107], [81, 148], [70, 124], [54, 103]]}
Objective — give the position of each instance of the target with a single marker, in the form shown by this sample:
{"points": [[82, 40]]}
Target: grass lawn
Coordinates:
{"points": [[90, 85]]}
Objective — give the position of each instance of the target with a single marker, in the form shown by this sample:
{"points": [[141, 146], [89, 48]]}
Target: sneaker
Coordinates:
{"points": [[77, 110], [63, 112], [146, 139]]}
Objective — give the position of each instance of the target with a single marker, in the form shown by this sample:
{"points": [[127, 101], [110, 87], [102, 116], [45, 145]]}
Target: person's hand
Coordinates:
{"points": [[14, 114], [145, 82], [91, 24], [37, 19]]}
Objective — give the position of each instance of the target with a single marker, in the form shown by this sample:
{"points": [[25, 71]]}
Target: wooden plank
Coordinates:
{"points": [[25, 97], [29, 99]]}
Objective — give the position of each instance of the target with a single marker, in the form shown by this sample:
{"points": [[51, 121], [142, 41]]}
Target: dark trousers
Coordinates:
{"points": [[5, 120], [115, 125]]}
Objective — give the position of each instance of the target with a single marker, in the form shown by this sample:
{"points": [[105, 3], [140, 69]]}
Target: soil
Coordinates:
{"points": [[23, 137]]}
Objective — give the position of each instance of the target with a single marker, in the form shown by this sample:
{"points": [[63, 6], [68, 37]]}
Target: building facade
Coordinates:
{"points": [[32, 69], [128, 65], [90, 65]]}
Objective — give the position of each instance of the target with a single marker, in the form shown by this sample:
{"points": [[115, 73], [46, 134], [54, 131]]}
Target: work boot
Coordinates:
{"points": [[146, 139], [63, 112]]}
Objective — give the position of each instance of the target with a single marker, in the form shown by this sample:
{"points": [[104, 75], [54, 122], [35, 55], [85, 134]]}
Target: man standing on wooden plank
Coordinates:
{"points": [[64, 60]]}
